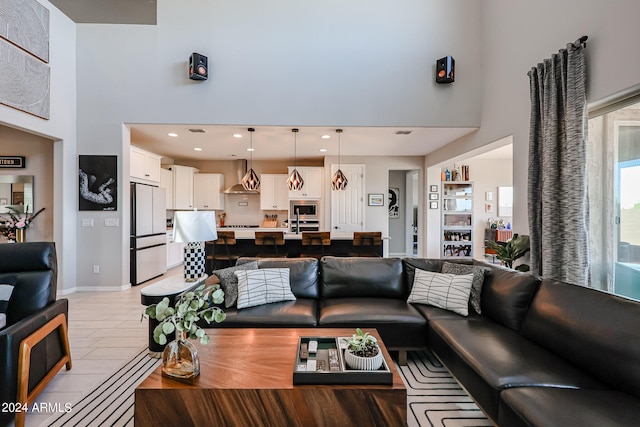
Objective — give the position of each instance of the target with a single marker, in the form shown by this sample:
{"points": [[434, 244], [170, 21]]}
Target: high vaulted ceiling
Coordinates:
{"points": [[269, 142]]}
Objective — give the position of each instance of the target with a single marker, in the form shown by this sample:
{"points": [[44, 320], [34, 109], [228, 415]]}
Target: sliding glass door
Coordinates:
{"points": [[627, 206]]}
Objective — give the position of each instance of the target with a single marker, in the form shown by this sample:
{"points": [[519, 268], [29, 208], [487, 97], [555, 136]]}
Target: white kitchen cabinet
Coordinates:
{"points": [[274, 194], [208, 191], [144, 166], [312, 187], [175, 252], [183, 186], [166, 182]]}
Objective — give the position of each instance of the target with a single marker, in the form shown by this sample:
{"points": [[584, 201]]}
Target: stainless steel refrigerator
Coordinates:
{"points": [[148, 240]]}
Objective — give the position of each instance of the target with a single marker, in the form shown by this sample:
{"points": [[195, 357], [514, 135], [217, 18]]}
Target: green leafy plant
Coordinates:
{"points": [[190, 307], [362, 344], [510, 251]]}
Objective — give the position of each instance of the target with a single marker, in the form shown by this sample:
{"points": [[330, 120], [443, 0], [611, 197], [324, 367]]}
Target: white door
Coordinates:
{"points": [[347, 206]]}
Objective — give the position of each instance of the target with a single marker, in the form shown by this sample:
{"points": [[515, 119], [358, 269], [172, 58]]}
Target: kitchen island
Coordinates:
{"points": [[341, 243]]}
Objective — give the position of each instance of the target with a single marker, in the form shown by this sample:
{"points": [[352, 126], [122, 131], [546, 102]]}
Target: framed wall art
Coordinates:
{"points": [[98, 183], [394, 202], [488, 207], [376, 199]]}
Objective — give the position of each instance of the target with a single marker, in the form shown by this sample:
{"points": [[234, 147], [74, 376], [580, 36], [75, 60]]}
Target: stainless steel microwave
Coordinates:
{"points": [[304, 209]]}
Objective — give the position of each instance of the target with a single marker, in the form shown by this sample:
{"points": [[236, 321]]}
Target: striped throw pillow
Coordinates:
{"points": [[447, 291], [263, 286]]}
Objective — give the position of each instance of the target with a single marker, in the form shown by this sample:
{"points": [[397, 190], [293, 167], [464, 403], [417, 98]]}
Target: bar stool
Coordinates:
{"points": [[268, 242], [312, 240], [367, 243], [221, 250]]}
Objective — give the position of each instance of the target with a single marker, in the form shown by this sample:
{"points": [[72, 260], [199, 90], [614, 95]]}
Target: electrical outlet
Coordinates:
{"points": [[111, 222], [96, 269], [87, 222]]}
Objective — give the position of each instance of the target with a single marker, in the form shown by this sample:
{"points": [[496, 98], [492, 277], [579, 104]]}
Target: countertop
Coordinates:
{"points": [[249, 233]]}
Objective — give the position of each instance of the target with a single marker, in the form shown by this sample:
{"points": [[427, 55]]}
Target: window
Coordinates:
{"points": [[614, 157]]}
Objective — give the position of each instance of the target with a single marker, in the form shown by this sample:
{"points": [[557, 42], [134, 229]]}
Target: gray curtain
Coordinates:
{"points": [[558, 197]]}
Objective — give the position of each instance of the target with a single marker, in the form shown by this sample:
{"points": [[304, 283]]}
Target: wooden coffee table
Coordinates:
{"points": [[246, 379]]}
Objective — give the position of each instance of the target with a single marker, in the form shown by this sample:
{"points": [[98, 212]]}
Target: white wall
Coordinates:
{"points": [[518, 35], [367, 63], [61, 127]]}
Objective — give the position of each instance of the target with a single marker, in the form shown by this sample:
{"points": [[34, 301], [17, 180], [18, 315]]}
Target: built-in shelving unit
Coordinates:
{"points": [[457, 219]]}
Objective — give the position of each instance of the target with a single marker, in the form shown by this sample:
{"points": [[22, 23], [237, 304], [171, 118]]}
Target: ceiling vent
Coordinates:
{"points": [[197, 131], [403, 132]]}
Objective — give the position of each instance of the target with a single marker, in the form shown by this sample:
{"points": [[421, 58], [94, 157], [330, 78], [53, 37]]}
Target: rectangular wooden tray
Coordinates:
{"points": [[345, 375]]}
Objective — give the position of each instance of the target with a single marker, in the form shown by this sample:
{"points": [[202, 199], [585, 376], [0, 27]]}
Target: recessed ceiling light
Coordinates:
{"points": [[197, 149], [237, 135], [250, 149], [172, 134], [326, 136], [323, 150]]}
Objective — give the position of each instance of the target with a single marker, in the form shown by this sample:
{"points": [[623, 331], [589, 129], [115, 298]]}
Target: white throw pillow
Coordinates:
{"points": [[447, 291], [263, 286], [5, 295]]}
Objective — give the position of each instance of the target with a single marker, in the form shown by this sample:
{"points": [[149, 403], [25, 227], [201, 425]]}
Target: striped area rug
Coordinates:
{"points": [[110, 403], [434, 398]]}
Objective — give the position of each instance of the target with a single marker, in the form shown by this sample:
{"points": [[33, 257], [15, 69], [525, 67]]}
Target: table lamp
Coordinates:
{"points": [[194, 228]]}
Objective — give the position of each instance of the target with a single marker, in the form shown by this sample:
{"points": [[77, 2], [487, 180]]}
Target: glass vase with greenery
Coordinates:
{"points": [[180, 357]]}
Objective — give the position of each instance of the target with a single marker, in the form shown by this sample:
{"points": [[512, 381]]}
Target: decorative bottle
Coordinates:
{"points": [[447, 174], [180, 358]]}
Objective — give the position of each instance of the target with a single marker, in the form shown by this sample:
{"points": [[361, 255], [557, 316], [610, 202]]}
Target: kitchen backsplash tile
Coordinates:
{"points": [[244, 209]]}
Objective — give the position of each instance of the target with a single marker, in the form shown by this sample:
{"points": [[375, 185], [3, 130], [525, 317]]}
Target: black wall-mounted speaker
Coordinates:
{"points": [[198, 68], [445, 70]]}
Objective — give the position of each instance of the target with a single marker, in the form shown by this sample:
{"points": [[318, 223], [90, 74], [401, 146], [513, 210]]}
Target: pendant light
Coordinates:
{"points": [[295, 181], [339, 181], [250, 180]]}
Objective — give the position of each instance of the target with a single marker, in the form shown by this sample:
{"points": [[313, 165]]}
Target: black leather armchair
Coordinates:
{"points": [[34, 344]]}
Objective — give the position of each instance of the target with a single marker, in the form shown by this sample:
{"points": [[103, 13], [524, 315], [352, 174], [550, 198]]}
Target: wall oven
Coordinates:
{"points": [[303, 215], [304, 209], [299, 227]]}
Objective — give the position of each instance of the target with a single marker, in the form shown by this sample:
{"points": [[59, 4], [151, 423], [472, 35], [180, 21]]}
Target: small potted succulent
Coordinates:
{"points": [[180, 357], [363, 352]]}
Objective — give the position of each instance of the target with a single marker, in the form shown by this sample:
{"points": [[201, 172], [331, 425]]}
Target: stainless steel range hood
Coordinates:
{"points": [[241, 170]]}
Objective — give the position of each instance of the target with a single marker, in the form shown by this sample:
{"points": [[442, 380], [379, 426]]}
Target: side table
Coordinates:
{"points": [[170, 287]]}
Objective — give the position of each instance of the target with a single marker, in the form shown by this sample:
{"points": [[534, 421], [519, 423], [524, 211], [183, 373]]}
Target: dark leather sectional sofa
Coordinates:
{"points": [[542, 353]]}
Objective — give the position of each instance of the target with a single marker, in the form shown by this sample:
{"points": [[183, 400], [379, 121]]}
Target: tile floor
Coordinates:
{"points": [[104, 331]]}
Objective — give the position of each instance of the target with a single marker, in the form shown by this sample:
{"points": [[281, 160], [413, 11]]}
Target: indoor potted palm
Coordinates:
{"points": [[180, 356], [363, 352], [510, 251]]}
